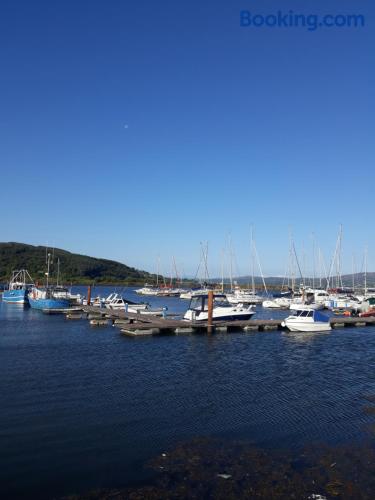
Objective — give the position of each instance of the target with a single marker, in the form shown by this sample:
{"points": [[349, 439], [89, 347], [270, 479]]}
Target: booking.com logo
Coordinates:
{"points": [[310, 22]]}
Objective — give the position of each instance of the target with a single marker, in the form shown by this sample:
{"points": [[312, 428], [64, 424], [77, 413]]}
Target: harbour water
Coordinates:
{"points": [[84, 408]]}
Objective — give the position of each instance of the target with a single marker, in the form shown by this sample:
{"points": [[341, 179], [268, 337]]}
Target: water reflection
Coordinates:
{"points": [[304, 337]]}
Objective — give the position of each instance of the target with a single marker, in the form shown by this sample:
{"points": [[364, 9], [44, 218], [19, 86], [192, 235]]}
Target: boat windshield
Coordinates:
{"points": [[221, 302], [200, 302], [304, 314]]}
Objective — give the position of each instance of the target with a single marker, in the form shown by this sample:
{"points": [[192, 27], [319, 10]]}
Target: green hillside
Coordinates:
{"points": [[74, 268]]}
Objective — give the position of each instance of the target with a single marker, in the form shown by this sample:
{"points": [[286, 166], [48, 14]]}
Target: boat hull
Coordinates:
{"points": [[295, 306], [15, 296], [243, 316], [299, 326], [49, 303]]}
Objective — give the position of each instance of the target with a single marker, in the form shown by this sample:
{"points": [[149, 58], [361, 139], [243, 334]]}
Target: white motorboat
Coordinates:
{"points": [[299, 304], [170, 292], [148, 290], [278, 303], [320, 296], [95, 302], [308, 320], [243, 296], [116, 302], [222, 310], [197, 292]]}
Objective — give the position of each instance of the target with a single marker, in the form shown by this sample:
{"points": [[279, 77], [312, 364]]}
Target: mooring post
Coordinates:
{"points": [[210, 310], [89, 295]]}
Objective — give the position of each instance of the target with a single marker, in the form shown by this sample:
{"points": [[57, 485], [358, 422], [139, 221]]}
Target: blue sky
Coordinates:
{"points": [[131, 129]]}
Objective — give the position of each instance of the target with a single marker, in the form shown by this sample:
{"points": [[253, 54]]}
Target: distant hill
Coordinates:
{"points": [[74, 268]]}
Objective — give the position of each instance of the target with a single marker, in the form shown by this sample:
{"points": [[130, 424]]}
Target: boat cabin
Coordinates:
{"points": [[199, 303]]}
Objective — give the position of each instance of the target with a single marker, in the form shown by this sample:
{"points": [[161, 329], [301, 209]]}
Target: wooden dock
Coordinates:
{"points": [[138, 324]]}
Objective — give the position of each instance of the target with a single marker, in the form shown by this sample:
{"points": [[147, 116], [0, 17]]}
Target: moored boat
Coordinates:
{"points": [[244, 296], [308, 320], [51, 296], [148, 290], [18, 289], [116, 302], [44, 298], [222, 310]]}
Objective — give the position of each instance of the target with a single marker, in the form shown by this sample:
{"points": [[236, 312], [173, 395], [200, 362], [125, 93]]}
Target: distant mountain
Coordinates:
{"points": [[74, 268]]}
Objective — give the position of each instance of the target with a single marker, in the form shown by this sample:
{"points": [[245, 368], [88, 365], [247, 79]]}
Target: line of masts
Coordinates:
{"points": [[322, 279]]}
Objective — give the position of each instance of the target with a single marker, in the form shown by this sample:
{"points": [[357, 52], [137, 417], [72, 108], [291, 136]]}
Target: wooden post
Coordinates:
{"points": [[89, 295], [210, 310]]}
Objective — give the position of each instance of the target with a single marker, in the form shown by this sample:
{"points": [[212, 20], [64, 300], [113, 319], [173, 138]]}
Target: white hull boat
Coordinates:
{"points": [[244, 297], [148, 290], [188, 295], [222, 310], [307, 321], [300, 306], [116, 302], [278, 303]]}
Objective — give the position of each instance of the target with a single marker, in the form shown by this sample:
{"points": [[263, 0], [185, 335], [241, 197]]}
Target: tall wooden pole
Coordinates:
{"points": [[89, 295], [210, 310]]}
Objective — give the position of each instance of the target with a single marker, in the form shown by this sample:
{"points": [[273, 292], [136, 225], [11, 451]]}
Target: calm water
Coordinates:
{"points": [[84, 407]]}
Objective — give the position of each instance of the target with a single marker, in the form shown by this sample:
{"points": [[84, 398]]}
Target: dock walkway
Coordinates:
{"points": [[146, 324]]}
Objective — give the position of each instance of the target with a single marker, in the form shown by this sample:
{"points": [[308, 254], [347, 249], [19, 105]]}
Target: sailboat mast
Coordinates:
{"points": [[313, 249], [58, 271], [222, 271], [252, 262], [320, 268], [47, 273], [230, 263], [157, 270], [366, 271], [175, 270], [353, 287]]}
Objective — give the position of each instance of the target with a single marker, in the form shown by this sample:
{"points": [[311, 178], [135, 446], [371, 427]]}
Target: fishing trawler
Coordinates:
{"points": [[49, 297], [45, 298], [18, 289]]}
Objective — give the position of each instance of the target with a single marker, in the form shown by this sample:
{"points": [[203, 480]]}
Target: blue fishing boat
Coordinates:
{"points": [[18, 289], [45, 298], [49, 297]]}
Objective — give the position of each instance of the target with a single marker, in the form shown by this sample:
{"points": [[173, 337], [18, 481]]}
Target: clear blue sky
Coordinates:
{"points": [[135, 128]]}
